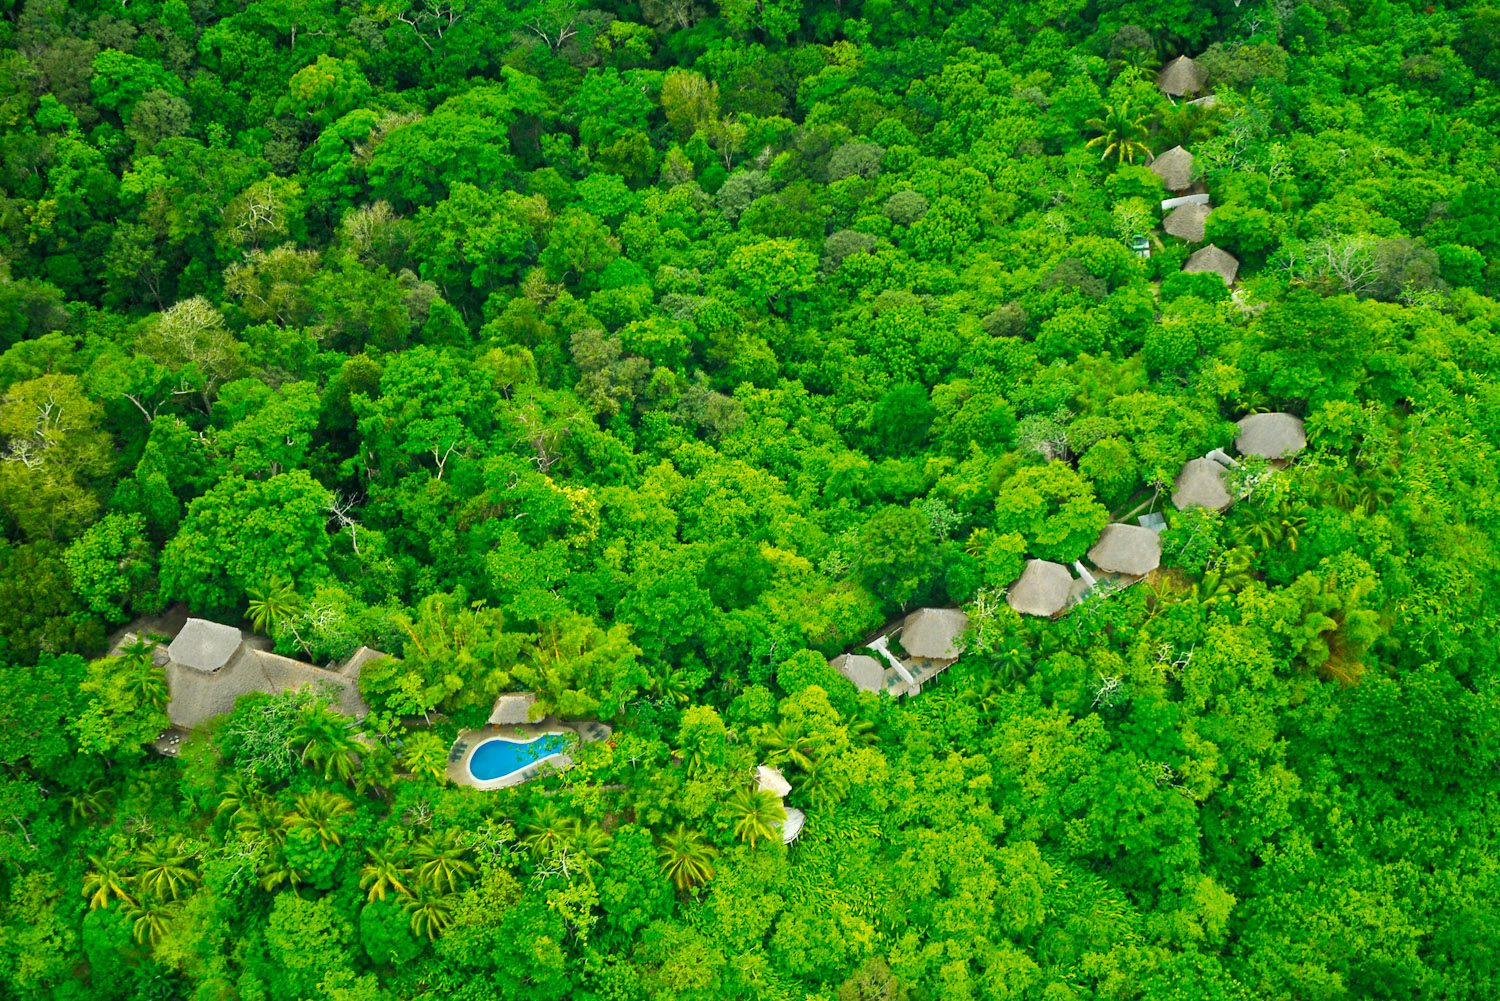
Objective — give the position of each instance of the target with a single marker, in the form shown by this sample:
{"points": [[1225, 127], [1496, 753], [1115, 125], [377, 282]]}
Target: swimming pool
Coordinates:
{"points": [[499, 757]]}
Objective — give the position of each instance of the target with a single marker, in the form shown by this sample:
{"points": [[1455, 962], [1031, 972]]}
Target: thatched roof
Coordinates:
{"points": [[792, 825], [1211, 258], [866, 673], [769, 779], [1272, 436], [934, 633], [1201, 484], [513, 707], [1179, 77], [204, 646], [198, 696], [1186, 222], [1041, 590], [1175, 168], [1127, 549]]}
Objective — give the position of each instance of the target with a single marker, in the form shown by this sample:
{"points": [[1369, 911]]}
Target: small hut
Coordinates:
{"points": [[1186, 222], [1042, 589], [1127, 549], [1212, 259], [1271, 436], [1175, 168], [934, 634], [865, 673], [1201, 484], [1179, 77], [513, 708]]}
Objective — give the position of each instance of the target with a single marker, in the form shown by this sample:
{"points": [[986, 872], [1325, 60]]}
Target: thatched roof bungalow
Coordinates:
{"points": [[1179, 77], [865, 673], [1042, 589], [1127, 549], [1186, 222], [1271, 436], [1201, 484], [1175, 168], [1212, 259]]}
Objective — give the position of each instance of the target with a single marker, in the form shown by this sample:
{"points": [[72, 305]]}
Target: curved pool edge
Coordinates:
{"points": [[585, 732]]}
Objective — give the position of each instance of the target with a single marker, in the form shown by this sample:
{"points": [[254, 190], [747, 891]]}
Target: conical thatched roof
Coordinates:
{"points": [[769, 779], [1127, 549], [1179, 77], [1272, 436], [513, 707], [1211, 258], [204, 646], [1041, 590], [1186, 222], [1201, 484], [866, 673], [934, 633], [1175, 168]]}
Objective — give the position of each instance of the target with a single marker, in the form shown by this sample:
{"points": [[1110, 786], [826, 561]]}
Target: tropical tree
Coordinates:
{"points": [[321, 812], [1121, 133], [787, 744], [425, 755], [107, 880], [757, 814], [548, 831], [90, 802], [322, 737], [151, 916], [685, 858], [385, 872], [274, 604], [431, 911], [440, 862], [164, 869]]}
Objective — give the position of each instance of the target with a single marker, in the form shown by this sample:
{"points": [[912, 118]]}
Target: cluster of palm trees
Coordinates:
{"points": [[147, 881], [810, 755], [262, 820], [425, 875]]}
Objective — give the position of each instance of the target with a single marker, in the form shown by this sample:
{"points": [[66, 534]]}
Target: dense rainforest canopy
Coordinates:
{"points": [[645, 355]]}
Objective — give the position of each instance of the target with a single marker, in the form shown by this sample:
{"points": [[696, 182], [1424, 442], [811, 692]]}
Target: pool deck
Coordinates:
{"points": [[469, 740]]}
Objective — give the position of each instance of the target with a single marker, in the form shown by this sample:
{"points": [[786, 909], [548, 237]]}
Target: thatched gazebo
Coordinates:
{"points": [[1127, 549], [1271, 436], [1212, 259], [1179, 77], [1175, 168], [1186, 222], [1041, 590], [1201, 484]]}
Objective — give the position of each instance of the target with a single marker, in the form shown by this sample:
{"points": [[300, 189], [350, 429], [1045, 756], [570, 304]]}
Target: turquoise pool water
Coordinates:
{"points": [[499, 757]]}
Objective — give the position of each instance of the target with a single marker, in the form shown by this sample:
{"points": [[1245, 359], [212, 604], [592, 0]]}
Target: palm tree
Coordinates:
{"points": [[786, 746], [89, 803], [384, 872], [148, 684], [821, 786], [757, 814], [685, 858], [107, 880], [321, 812], [151, 917], [548, 831], [430, 912], [278, 870], [1120, 134], [440, 861], [322, 737], [239, 795], [425, 754], [276, 604], [164, 871], [260, 819]]}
